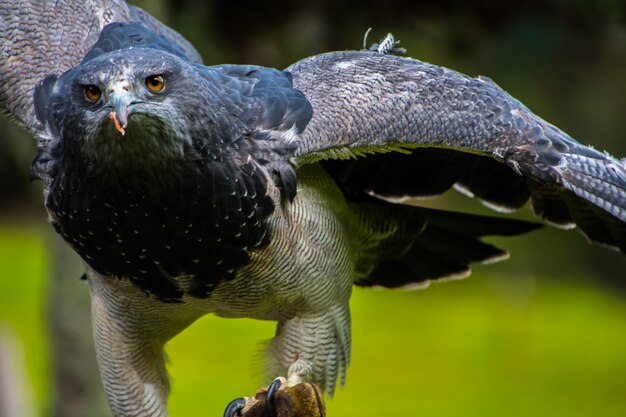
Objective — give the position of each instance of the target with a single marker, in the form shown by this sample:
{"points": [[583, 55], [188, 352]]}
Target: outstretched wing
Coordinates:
{"points": [[398, 127], [43, 38]]}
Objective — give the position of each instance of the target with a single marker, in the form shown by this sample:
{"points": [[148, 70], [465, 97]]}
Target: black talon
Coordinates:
{"points": [[319, 398], [269, 397], [234, 408]]}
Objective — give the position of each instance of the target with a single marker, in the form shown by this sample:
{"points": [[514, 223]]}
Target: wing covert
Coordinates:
{"points": [[399, 127], [274, 112]]}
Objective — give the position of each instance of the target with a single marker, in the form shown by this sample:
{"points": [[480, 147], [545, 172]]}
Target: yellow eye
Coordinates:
{"points": [[92, 92], [155, 83]]}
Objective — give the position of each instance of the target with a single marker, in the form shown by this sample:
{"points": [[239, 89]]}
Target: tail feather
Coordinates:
{"points": [[410, 246], [435, 255]]}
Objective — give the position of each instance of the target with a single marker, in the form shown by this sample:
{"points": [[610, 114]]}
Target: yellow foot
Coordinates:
{"points": [[280, 400]]}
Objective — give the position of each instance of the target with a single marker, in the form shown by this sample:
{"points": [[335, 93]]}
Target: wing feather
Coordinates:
{"points": [[451, 129]]}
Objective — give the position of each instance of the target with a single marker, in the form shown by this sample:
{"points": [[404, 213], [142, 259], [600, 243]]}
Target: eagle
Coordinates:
{"points": [[246, 191]]}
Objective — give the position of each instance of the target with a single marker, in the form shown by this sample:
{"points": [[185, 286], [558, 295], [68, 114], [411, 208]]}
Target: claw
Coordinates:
{"points": [[279, 399], [269, 397], [234, 408], [319, 399]]}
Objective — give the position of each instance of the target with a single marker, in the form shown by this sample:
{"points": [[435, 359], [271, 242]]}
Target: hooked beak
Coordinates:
{"points": [[119, 99]]}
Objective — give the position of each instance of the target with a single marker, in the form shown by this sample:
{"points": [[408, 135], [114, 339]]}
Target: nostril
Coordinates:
{"points": [[119, 86]]}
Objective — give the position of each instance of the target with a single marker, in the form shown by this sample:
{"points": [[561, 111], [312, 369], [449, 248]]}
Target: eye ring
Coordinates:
{"points": [[92, 92], [155, 83]]}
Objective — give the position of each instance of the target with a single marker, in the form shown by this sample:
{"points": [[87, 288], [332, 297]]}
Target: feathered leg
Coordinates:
{"points": [[310, 350], [130, 330], [313, 348]]}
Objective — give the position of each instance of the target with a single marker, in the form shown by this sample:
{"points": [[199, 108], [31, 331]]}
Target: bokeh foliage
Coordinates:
{"points": [[492, 345]]}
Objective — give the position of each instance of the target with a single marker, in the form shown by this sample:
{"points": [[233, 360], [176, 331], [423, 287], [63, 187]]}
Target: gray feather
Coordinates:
{"points": [[366, 103]]}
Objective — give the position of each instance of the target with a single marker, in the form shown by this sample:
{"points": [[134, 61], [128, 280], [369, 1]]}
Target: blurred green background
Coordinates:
{"points": [[543, 334]]}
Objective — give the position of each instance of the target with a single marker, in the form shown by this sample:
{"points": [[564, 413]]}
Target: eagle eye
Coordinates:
{"points": [[155, 83], [92, 92]]}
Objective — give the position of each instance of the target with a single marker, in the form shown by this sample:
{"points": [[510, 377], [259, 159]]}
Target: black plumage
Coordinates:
{"points": [[201, 223], [180, 225]]}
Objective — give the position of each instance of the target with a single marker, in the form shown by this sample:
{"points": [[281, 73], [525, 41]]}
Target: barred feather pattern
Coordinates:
{"points": [[313, 347], [303, 281]]}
